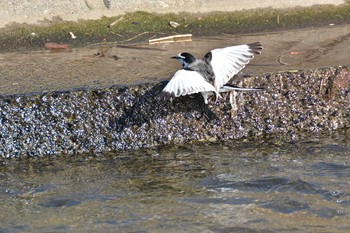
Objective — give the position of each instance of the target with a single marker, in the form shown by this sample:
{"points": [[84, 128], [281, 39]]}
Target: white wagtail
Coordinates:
{"points": [[211, 74]]}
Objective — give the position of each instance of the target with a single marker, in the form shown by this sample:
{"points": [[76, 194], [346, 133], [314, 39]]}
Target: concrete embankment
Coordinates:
{"points": [[132, 117]]}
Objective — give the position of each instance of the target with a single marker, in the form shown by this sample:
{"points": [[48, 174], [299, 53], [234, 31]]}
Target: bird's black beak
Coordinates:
{"points": [[174, 57]]}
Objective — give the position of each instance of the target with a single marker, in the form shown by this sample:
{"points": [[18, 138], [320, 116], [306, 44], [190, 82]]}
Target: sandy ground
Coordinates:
{"points": [[36, 11], [46, 70]]}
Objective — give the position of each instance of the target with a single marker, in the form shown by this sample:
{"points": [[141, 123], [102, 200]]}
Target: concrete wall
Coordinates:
{"points": [[34, 11], [99, 121]]}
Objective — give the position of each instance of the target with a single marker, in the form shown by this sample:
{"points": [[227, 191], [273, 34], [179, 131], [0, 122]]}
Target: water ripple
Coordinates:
{"points": [[331, 169], [266, 184]]}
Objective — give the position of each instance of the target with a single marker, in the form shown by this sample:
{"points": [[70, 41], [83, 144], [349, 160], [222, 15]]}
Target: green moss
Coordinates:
{"points": [[140, 26]]}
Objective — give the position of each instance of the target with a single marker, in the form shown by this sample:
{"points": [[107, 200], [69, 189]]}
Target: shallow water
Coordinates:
{"points": [[234, 186], [77, 68]]}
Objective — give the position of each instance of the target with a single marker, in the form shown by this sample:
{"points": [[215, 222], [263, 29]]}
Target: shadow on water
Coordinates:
{"points": [[251, 186]]}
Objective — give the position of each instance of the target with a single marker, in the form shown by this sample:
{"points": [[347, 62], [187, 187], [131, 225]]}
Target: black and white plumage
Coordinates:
{"points": [[211, 74]]}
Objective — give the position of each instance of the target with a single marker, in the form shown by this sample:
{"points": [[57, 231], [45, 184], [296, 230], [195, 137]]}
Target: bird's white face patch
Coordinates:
{"points": [[180, 56], [181, 59]]}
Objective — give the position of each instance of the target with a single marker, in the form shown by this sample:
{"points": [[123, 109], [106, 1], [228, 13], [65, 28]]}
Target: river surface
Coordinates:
{"points": [[234, 186]]}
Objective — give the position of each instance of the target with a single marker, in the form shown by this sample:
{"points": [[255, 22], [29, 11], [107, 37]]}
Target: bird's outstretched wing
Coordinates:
{"points": [[186, 82], [227, 62]]}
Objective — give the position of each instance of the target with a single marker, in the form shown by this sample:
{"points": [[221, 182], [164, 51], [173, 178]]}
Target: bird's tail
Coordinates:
{"points": [[229, 87]]}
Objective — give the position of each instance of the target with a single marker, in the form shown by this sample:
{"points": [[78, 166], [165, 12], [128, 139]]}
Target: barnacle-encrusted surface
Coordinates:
{"points": [[292, 103]]}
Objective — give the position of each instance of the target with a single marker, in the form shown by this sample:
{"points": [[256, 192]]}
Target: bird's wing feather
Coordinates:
{"points": [[227, 62], [186, 82]]}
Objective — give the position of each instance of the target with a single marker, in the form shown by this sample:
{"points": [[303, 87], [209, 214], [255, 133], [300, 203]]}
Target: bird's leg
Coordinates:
{"points": [[233, 102], [217, 97], [205, 97], [208, 114]]}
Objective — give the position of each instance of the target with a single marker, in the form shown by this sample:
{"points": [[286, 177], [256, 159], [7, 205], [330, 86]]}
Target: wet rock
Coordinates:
{"points": [[134, 117]]}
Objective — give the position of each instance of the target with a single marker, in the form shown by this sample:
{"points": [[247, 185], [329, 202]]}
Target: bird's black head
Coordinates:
{"points": [[185, 59]]}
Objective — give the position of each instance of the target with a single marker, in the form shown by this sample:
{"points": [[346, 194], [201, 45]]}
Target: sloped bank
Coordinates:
{"points": [[132, 117]]}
